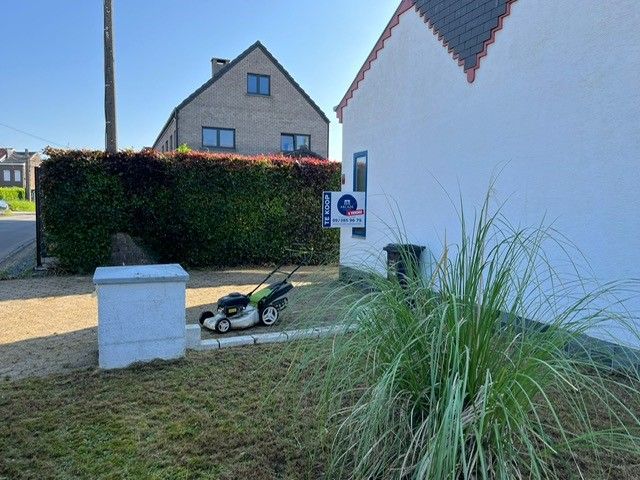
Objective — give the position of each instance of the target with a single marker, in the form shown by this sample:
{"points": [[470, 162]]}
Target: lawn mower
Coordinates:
{"points": [[237, 311]]}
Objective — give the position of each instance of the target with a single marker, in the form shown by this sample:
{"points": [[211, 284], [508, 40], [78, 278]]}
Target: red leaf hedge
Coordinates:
{"points": [[197, 209]]}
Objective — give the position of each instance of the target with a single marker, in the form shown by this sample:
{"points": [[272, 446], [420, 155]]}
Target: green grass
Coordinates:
{"points": [[445, 380], [219, 415], [22, 205], [216, 415]]}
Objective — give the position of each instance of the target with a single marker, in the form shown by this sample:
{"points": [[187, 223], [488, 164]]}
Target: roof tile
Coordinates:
{"points": [[463, 25]]}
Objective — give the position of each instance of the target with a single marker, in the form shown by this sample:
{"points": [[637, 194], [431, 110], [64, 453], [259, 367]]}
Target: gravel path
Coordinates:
{"points": [[49, 325]]}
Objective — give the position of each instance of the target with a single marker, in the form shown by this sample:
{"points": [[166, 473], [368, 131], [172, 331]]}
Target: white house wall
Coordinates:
{"points": [[554, 115]]}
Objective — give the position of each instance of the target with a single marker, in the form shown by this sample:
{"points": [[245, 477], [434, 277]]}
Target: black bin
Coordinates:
{"points": [[402, 259]]}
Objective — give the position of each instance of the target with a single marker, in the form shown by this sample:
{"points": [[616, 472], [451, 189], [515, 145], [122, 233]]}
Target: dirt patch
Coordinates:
{"points": [[127, 251], [49, 325]]}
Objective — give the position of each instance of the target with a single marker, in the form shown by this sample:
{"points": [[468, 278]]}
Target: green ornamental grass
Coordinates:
{"points": [[446, 379]]}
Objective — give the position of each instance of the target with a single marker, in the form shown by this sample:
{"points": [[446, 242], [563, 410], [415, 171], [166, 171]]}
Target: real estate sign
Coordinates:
{"points": [[343, 209]]}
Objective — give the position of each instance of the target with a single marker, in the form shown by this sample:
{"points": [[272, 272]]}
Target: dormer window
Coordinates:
{"points": [[258, 84]]}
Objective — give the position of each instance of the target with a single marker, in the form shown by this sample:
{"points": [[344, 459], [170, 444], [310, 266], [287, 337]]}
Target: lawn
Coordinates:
{"points": [[221, 415], [21, 206]]}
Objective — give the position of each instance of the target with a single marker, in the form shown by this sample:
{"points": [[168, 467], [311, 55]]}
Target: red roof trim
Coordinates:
{"points": [[395, 20], [471, 72]]}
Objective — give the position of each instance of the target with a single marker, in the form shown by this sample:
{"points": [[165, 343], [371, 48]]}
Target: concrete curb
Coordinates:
{"points": [[263, 338]]}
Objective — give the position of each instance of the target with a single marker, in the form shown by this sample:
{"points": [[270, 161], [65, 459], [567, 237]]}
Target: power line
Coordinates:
{"points": [[31, 135]]}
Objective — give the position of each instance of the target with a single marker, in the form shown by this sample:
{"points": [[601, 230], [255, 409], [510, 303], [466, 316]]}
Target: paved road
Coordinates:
{"points": [[14, 232]]}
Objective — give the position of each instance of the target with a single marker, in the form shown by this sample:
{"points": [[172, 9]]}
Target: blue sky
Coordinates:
{"points": [[51, 62]]}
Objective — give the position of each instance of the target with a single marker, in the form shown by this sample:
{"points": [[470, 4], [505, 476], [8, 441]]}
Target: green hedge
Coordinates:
{"points": [[193, 208], [12, 193]]}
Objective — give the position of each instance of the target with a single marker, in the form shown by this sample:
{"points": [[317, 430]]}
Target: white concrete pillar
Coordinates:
{"points": [[141, 313]]}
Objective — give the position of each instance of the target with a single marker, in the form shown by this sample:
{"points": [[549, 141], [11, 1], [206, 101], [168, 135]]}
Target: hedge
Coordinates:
{"points": [[193, 208], [12, 193]]}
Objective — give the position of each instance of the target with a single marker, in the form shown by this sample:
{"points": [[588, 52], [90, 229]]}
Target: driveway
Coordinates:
{"points": [[15, 231], [49, 325]]}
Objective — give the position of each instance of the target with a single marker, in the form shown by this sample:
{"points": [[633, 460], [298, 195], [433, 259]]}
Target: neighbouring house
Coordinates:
{"points": [[250, 105], [541, 97], [17, 169]]}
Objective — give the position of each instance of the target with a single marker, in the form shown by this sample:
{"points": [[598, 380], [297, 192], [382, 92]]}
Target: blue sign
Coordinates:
{"points": [[326, 210], [343, 209], [346, 204]]}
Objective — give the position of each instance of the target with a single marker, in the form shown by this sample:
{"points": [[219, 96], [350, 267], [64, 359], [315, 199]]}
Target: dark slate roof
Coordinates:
{"points": [[463, 25], [466, 28], [21, 157], [228, 67]]}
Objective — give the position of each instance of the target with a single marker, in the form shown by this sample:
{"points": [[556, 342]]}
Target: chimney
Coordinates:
{"points": [[217, 64]]}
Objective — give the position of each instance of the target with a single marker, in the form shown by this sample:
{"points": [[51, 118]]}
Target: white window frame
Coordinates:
{"points": [[6, 175], [17, 175]]}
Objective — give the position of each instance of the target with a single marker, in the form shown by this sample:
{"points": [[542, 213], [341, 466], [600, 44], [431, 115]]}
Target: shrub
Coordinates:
{"points": [[22, 206], [444, 379], [183, 148], [12, 193], [194, 208]]}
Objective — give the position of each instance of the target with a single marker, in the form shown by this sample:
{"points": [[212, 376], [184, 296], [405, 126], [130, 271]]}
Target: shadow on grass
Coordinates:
{"points": [[42, 356], [206, 416], [66, 285]]}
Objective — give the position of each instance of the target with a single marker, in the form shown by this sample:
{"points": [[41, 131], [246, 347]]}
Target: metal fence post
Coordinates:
{"points": [[39, 236]]}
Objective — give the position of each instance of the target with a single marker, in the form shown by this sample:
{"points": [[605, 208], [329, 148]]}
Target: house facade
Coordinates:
{"points": [[249, 106], [537, 100], [17, 169]]}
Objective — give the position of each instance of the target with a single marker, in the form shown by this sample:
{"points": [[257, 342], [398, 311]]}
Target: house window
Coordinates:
{"points": [[171, 142], [218, 137], [6, 175], [290, 142], [258, 84], [166, 145], [17, 175], [360, 161]]}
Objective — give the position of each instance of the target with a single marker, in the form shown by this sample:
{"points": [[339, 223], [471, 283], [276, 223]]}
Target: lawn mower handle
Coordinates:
{"points": [[276, 270]]}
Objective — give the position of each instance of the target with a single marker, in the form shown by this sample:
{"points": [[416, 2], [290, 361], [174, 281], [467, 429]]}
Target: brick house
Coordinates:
{"points": [[17, 169], [250, 105]]}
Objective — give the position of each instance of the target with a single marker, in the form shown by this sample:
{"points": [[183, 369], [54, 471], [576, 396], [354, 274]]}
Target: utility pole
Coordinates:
{"points": [[111, 138]]}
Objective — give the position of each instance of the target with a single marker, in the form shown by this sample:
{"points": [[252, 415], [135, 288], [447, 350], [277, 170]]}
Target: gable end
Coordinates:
{"points": [[466, 28], [230, 66]]}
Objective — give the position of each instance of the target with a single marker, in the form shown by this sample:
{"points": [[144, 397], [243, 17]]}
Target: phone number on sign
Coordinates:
{"points": [[344, 221]]}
